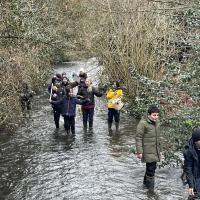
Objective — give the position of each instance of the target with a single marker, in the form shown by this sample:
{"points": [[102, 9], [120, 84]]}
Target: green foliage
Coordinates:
{"points": [[155, 54], [32, 35]]}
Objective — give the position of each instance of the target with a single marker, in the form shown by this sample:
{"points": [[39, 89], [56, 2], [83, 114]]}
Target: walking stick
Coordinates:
{"points": [[51, 92]]}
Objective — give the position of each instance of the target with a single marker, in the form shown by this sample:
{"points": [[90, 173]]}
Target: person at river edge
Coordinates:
{"points": [[148, 146], [192, 164], [113, 93], [26, 95]]}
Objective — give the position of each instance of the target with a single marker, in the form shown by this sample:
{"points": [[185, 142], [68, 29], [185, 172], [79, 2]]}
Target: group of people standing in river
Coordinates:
{"points": [[64, 102], [149, 147]]}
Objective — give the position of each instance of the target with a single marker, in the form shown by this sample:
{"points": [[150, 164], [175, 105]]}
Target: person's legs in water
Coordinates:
{"points": [[85, 118], [56, 117], [149, 179], [91, 116], [67, 124], [72, 124], [117, 118], [110, 119], [27, 107]]}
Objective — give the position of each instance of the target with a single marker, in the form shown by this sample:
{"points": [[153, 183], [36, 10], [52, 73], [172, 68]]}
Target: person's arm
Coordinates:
{"points": [[73, 84], [188, 164], [139, 139], [56, 102], [82, 102], [119, 93], [96, 92], [110, 94]]}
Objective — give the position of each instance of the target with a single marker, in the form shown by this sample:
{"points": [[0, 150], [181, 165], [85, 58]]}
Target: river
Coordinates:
{"points": [[39, 163]]}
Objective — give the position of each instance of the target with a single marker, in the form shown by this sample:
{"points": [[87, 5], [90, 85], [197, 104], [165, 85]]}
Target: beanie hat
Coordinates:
{"points": [[196, 134]]}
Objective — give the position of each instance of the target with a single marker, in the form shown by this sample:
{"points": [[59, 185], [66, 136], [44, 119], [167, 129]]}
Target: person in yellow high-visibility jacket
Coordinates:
{"points": [[114, 94]]}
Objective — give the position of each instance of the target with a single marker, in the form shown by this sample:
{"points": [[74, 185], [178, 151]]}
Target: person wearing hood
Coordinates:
{"points": [[149, 146], [192, 164]]}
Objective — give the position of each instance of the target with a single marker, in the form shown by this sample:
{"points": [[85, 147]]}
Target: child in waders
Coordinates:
{"points": [[192, 165], [148, 146]]}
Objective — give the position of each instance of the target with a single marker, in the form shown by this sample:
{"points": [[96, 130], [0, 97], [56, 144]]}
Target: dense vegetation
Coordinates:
{"points": [[151, 46], [32, 35]]}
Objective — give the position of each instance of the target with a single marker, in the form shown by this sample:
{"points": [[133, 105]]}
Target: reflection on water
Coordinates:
{"points": [[39, 162]]}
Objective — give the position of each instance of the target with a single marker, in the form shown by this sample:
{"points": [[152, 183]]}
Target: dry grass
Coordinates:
{"points": [[126, 34]]}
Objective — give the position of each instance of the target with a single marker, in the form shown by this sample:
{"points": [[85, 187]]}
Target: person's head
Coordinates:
{"points": [[58, 76], [117, 84], [153, 113], [64, 74], [196, 136], [57, 84], [54, 88], [88, 82], [53, 80], [65, 80], [69, 92], [81, 71]]}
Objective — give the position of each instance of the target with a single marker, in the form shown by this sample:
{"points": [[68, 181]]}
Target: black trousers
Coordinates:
{"points": [[56, 114], [112, 113], [69, 123], [150, 169], [88, 114]]}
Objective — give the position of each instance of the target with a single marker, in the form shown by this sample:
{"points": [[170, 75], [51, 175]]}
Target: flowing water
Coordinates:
{"points": [[39, 163]]}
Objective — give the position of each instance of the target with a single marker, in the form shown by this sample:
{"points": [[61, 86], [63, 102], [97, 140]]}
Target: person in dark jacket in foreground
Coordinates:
{"points": [[192, 164], [148, 146], [68, 109]]}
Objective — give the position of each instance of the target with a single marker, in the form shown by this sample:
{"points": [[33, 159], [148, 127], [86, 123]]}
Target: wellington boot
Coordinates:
{"points": [[110, 127], [145, 182], [150, 182], [117, 127], [151, 194], [73, 131], [85, 129]]}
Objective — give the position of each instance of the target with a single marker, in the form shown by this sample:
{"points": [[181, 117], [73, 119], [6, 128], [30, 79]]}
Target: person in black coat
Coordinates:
{"points": [[192, 164], [56, 95], [68, 109]]}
